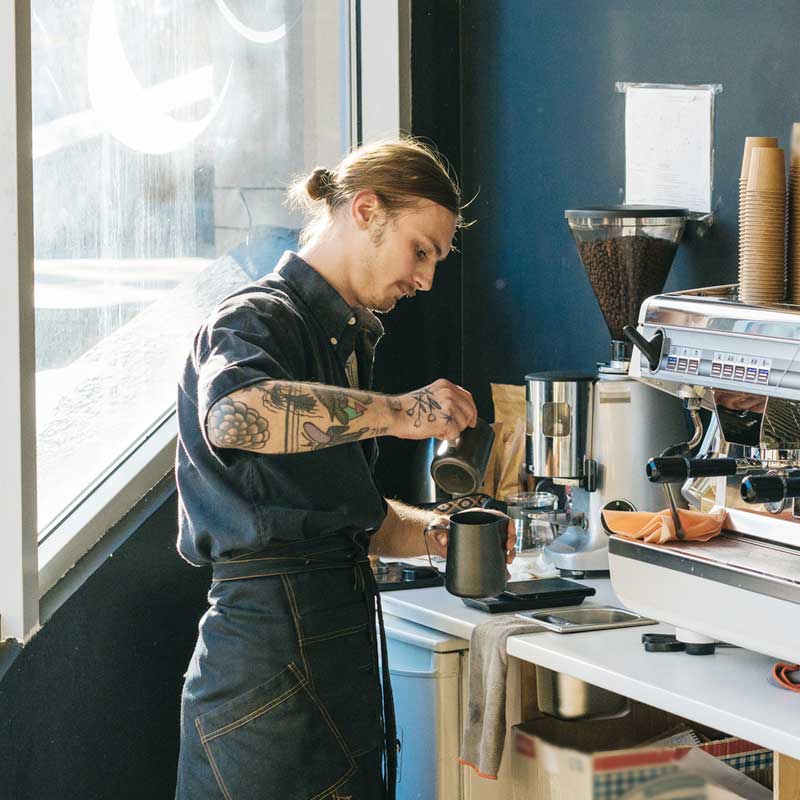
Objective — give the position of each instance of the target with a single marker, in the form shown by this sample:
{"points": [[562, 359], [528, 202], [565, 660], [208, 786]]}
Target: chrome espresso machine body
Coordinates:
{"points": [[741, 362]]}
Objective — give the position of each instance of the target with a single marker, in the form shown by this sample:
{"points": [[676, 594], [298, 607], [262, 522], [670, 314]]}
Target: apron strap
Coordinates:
{"points": [[389, 721]]}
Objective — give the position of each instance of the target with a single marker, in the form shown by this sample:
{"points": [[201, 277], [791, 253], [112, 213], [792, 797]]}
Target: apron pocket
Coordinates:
{"points": [[276, 740], [346, 680]]}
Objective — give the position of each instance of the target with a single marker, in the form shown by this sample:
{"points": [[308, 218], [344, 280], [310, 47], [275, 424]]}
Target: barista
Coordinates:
{"points": [[276, 455]]}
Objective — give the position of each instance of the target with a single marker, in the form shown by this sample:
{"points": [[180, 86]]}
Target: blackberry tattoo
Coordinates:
{"points": [[425, 404], [238, 425]]}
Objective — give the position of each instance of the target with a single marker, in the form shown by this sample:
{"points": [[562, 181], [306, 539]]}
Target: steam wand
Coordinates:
{"points": [[692, 405]]}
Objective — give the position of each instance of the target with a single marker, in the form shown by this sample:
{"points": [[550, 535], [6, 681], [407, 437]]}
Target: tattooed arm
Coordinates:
{"points": [[293, 417], [401, 535]]}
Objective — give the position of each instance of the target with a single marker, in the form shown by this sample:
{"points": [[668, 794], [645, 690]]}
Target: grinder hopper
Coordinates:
{"points": [[627, 252]]}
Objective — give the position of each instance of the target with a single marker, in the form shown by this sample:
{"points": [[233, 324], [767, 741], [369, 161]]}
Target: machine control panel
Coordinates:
{"points": [[734, 367], [683, 359], [737, 367], [721, 359]]}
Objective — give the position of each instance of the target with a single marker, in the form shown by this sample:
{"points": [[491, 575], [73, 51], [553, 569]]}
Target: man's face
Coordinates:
{"points": [[401, 253]]}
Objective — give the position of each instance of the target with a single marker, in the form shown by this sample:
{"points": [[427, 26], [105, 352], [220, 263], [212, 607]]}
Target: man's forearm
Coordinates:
{"points": [[291, 417], [401, 532]]}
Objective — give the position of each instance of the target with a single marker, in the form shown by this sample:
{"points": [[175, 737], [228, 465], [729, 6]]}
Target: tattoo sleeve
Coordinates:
{"points": [[282, 417]]}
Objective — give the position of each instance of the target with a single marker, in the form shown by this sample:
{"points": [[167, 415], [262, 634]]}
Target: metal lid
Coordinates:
{"points": [[560, 377], [620, 212]]}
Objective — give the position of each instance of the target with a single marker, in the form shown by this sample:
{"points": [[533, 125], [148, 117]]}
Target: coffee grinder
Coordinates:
{"points": [[592, 432]]}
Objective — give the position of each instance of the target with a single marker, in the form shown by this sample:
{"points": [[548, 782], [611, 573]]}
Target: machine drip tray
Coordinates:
{"points": [[735, 559]]}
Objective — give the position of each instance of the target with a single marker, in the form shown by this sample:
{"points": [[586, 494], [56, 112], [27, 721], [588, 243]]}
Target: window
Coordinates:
{"points": [[164, 135]]}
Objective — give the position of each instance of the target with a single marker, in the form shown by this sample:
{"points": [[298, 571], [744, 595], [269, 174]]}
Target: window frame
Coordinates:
{"points": [[29, 568], [19, 578]]}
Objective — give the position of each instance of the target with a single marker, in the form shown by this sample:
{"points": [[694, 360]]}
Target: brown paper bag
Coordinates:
{"points": [[508, 452], [492, 468]]}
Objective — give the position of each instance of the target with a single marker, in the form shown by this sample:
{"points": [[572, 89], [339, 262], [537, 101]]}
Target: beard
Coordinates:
{"points": [[376, 299]]}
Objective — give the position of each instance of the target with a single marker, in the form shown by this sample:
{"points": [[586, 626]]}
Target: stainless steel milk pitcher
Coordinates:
{"points": [[459, 466]]}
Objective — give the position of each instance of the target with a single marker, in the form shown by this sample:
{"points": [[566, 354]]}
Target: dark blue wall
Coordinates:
{"points": [[89, 709], [542, 130]]}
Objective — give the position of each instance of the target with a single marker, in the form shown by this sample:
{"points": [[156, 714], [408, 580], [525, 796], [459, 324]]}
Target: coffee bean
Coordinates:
{"points": [[623, 272]]}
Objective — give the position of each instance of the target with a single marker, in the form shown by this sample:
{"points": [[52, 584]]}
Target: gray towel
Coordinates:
{"points": [[485, 725]]}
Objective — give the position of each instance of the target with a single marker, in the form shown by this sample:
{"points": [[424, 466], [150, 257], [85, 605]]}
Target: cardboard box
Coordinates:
{"points": [[600, 760]]}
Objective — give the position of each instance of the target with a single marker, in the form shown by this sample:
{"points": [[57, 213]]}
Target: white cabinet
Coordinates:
{"points": [[426, 670]]}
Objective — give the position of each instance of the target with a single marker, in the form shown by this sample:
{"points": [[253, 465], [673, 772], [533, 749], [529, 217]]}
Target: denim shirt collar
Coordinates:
{"points": [[339, 321]]}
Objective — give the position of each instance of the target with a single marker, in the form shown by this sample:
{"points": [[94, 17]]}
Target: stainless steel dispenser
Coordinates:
{"points": [[558, 408]]}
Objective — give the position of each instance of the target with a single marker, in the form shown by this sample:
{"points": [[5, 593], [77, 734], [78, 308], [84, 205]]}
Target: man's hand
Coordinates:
{"points": [[437, 538], [441, 410]]}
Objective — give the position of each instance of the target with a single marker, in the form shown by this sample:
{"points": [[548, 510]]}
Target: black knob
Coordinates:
{"points": [[673, 469], [651, 349], [762, 489], [712, 467], [667, 470], [770, 488]]}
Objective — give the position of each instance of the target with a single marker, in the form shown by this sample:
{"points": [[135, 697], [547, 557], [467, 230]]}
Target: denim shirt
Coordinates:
{"points": [[290, 325]]}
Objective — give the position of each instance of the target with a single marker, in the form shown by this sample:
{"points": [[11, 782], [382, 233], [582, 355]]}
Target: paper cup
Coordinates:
{"points": [[767, 170], [749, 143], [794, 152]]}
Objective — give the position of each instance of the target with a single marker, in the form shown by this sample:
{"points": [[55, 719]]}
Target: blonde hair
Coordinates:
{"points": [[399, 171]]}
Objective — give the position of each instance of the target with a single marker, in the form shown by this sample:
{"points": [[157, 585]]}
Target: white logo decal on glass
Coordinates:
{"points": [[134, 115]]}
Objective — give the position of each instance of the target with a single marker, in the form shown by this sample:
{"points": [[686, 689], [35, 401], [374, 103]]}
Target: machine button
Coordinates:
{"points": [[672, 362], [683, 363], [739, 372], [727, 371], [716, 369], [751, 375], [694, 365], [763, 376]]}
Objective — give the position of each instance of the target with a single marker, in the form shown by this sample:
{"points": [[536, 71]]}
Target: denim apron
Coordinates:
{"points": [[283, 697]]}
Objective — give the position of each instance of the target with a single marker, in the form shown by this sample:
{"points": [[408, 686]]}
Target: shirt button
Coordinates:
{"points": [[334, 341], [351, 321]]}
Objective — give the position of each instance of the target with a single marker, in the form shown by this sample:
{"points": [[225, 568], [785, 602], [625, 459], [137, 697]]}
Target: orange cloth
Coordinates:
{"points": [[659, 527]]}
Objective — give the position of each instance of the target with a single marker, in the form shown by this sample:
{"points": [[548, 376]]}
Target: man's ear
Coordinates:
{"points": [[365, 208]]}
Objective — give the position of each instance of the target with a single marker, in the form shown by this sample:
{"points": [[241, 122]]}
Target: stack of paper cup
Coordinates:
{"points": [[749, 143], [793, 293], [762, 268]]}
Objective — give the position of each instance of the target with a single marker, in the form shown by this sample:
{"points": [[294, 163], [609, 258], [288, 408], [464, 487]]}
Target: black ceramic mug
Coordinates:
{"points": [[476, 553]]}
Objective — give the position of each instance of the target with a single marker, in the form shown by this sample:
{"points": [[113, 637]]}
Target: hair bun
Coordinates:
{"points": [[321, 184]]}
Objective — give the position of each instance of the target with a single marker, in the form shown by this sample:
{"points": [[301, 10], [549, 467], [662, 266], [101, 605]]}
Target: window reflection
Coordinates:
{"points": [[164, 135]]}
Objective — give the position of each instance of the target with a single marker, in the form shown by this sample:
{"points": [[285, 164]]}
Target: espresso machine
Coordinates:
{"points": [[592, 432], [740, 361]]}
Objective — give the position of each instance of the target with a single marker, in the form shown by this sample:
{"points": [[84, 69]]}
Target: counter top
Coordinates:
{"points": [[730, 691]]}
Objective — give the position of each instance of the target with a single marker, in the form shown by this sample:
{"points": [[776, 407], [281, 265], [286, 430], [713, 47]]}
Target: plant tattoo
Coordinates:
{"points": [[281, 397], [425, 405]]}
